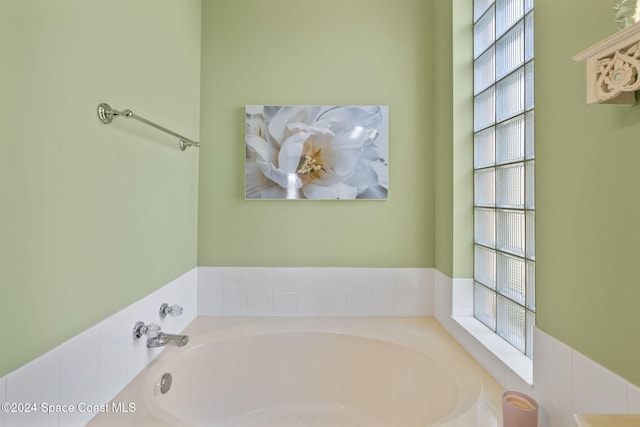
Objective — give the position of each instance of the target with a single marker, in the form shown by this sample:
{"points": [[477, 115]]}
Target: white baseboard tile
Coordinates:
{"points": [[315, 291], [555, 410], [462, 296], [95, 365], [567, 382], [443, 299], [633, 399], [3, 398]]}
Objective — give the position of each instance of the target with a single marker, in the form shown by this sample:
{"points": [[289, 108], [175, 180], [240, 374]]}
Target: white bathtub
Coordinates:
{"points": [[312, 372]]}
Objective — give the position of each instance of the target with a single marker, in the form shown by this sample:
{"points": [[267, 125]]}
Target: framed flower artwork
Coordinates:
{"points": [[316, 152]]}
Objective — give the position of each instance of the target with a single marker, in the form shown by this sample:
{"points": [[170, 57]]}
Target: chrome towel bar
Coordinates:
{"points": [[106, 115]]}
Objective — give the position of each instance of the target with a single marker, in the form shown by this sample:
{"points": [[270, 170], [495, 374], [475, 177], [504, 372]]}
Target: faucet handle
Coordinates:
{"points": [[151, 330], [174, 310]]}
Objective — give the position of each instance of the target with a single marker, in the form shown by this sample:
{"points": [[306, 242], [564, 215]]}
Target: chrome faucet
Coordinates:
{"points": [[163, 339], [156, 338]]}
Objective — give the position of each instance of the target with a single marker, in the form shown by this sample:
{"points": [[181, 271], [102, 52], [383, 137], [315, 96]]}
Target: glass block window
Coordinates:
{"points": [[504, 169]]}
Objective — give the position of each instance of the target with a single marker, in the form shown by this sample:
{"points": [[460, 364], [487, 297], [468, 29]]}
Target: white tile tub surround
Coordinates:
{"points": [[3, 392], [92, 367], [562, 380], [567, 382], [95, 365], [315, 292]]}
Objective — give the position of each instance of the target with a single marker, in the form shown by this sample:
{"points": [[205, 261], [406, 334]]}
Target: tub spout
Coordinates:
{"points": [[163, 339], [156, 338]]}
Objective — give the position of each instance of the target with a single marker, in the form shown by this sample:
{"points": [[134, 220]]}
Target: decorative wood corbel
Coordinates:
{"points": [[613, 68]]}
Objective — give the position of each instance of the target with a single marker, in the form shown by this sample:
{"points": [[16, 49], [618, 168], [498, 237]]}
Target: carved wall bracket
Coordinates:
{"points": [[613, 68]]}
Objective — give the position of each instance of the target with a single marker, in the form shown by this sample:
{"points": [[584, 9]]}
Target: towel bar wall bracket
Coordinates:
{"points": [[106, 115]]}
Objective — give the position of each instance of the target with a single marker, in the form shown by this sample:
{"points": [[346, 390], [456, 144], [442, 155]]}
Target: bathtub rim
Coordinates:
{"points": [[417, 334]]}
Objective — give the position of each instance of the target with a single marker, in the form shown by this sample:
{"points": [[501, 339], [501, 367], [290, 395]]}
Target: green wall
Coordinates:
{"points": [[443, 167], [93, 217], [453, 86], [587, 197], [317, 52]]}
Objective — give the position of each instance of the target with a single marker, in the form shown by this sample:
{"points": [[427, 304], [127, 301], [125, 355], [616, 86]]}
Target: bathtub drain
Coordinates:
{"points": [[165, 383]]}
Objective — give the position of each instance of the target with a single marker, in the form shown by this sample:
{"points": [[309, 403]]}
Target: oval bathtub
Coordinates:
{"points": [[312, 372]]}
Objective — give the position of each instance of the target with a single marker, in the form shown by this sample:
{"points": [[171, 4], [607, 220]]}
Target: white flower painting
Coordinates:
{"points": [[316, 152]]}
